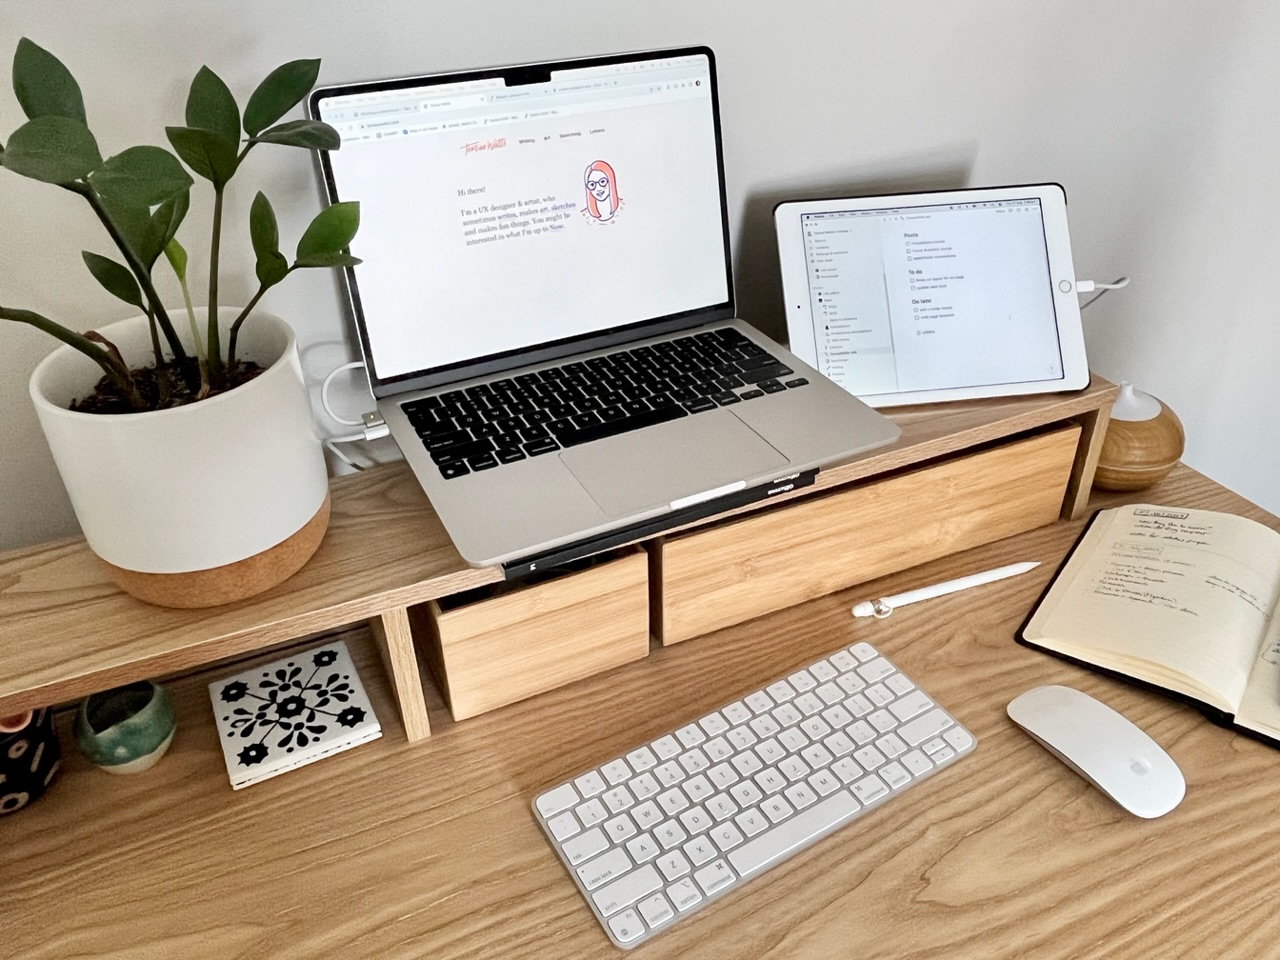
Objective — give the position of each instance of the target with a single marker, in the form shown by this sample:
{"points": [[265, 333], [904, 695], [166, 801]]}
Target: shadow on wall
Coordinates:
{"points": [[757, 278]]}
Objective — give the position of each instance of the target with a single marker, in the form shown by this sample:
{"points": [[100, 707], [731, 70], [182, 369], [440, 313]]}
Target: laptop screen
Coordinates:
{"points": [[513, 209]]}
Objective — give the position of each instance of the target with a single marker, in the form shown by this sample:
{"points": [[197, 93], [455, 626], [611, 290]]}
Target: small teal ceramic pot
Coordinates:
{"points": [[128, 729], [29, 757]]}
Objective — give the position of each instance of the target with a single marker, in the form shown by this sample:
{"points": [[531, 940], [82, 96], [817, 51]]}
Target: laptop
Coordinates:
{"points": [[545, 305]]}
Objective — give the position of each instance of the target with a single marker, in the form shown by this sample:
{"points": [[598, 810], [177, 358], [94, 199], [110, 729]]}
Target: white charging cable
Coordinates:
{"points": [[1088, 286], [372, 423]]}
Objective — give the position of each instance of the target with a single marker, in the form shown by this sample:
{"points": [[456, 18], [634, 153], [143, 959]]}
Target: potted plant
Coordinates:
{"points": [[187, 447]]}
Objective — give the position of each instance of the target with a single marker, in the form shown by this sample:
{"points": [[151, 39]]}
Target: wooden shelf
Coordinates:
{"points": [[66, 631], [398, 851]]}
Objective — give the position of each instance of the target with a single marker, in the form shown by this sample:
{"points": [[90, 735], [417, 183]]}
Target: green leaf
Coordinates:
{"points": [[283, 89], [210, 106], [53, 150], [44, 87], [327, 260], [331, 230], [271, 269], [170, 214], [312, 134], [205, 152], [134, 224], [117, 280], [176, 254], [140, 176], [262, 226], [271, 265]]}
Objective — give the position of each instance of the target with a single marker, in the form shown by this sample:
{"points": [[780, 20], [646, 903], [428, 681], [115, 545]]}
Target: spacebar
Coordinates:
{"points": [[792, 834], [610, 428]]}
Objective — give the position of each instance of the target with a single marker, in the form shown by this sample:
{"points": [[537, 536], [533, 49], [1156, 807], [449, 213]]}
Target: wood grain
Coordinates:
{"points": [[741, 569], [505, 648], [394, 638], [1139, 453], [396, 851]]}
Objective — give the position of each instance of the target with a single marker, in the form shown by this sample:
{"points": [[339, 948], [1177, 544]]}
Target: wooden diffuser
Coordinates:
{"points": [[1144, 441]]}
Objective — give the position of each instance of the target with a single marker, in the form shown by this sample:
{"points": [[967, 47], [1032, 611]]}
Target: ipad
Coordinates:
{"points": [[924, 297]]}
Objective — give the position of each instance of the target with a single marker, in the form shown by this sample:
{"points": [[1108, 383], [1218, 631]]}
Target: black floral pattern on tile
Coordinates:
{"points": [[293, 707]]}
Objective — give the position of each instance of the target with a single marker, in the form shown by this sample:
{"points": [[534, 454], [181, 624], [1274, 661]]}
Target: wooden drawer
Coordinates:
{"points": [[711, 578], [489, 652]]}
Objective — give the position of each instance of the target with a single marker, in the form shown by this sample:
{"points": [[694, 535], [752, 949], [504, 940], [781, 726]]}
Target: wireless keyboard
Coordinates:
{"points": [[655, 834]]}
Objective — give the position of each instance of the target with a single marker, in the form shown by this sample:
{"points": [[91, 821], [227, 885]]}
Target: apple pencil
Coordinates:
{"points": [[886, 605]]}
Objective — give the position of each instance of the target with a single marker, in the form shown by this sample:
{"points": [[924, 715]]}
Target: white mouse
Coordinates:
{"points": [[1103, 747]]}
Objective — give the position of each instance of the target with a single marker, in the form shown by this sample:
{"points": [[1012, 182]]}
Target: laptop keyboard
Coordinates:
{"points": [[502, 421]]}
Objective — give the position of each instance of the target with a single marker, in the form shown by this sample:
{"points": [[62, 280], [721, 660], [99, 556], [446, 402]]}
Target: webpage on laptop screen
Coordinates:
{"points": [[907, 299], [496, 218]]}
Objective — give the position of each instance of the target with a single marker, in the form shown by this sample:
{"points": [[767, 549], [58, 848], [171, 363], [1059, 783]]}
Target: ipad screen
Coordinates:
{"points": [[911, 300]]}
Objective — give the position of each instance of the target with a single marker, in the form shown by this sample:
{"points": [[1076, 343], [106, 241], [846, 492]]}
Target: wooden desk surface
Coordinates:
{"points": [[396, 851]]}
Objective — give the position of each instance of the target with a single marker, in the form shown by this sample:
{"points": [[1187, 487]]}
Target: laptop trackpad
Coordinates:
{"points": [[649, 468]]}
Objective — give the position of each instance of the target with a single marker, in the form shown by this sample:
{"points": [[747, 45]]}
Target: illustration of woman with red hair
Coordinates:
{"points": [[602, 191]]}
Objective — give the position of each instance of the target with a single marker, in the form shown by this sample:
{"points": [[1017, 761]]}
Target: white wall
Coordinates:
{"points": [[1158, 117]]}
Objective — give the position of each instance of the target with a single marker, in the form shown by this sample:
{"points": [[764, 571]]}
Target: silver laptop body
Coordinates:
{"points": [[545, 305]]}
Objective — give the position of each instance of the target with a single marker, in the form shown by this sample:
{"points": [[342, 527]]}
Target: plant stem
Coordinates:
{"points": [[235, 327], [109, 360], [195, 338], [155, 339], [215, 344], [141, 274]]}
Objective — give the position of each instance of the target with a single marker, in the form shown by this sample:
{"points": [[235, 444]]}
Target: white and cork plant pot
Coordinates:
{"points": [[202, 504]]}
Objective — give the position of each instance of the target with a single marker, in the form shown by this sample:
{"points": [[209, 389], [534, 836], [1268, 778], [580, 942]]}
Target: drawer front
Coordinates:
{"points": [[723, 575], [515, 645]]}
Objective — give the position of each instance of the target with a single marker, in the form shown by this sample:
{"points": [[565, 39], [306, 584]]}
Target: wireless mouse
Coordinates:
{"points": [[1103, 747]]}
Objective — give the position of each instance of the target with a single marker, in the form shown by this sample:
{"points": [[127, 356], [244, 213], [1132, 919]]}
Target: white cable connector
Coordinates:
{"points": [[324, 393], [372, 424], [1088, 286]]}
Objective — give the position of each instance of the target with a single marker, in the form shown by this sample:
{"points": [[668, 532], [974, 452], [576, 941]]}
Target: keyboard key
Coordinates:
{"points": [[700, 850], [627, 890], [715, 877], [958, 738], [701, 405], [591, 812], [684, 895], [563, 826], [605, 867], [451, 470], [536, 448], [713, 724], [758, 853], [647, 814], [585, 846], [666, 747], [554, 801], [620, 828], [673, 865], [618, 799], [656, 910], [641, 759], [910, 705], [626, 926], [616, 771], [922, 728], [673, 801], [870, 789]]}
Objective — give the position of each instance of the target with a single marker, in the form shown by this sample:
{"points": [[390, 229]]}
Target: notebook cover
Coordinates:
{"points": [[291, 712]]}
